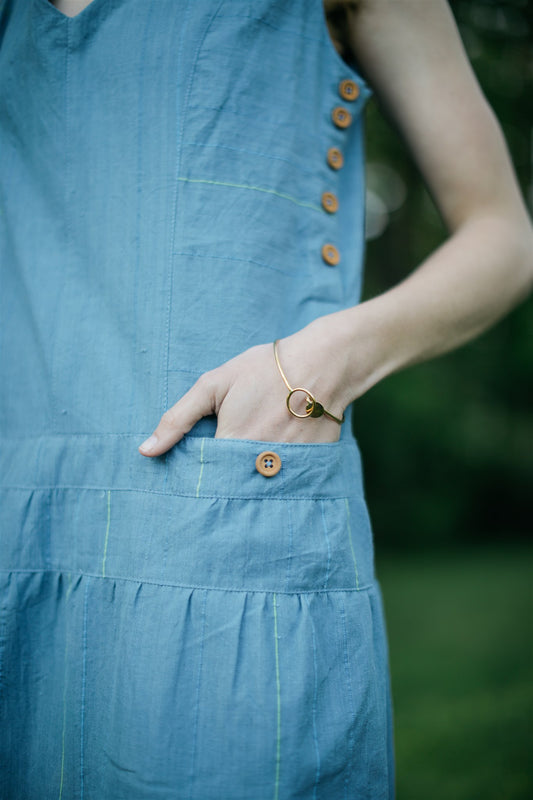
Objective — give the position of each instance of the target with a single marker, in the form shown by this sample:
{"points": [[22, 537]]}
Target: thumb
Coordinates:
{"points": [[198, 402]]}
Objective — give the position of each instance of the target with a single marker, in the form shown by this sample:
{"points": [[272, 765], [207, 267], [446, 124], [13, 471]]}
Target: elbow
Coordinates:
{"points": [[511, 243]]}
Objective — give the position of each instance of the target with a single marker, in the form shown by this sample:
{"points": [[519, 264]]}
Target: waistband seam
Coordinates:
{"points": [[367, 587], [201, 496]]}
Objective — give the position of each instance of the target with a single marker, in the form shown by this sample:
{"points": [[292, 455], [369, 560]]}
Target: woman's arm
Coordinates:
{"points": [[412, 55]]}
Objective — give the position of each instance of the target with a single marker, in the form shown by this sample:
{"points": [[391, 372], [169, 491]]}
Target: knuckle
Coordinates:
{"points": [[205, 380], [170, 418]]}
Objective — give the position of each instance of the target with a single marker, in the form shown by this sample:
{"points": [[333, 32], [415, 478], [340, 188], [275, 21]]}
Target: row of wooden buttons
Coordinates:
{"points": [[342, 118]]}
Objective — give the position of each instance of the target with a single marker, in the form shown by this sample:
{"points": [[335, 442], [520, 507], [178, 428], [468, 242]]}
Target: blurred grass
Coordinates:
{"points": [[459, 626]]}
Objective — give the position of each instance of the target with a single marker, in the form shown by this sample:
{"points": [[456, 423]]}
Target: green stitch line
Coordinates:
{"points": [[201, 468], [107, 531], [70, 586], [64, 705], [278, 741], [255, 189], [351, 543]]}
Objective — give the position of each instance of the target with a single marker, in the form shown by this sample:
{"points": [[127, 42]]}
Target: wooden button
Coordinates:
{"points": [[268, 463], [341, 117], [330, 254], [348, 90], [335, 158], [330, 202]]}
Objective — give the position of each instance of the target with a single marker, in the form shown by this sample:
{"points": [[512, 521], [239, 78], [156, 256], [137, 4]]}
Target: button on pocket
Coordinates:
{"points": [[268, 463]]}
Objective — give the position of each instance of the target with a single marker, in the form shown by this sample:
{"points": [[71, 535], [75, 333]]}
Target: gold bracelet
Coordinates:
{"points": [[312, 407]]}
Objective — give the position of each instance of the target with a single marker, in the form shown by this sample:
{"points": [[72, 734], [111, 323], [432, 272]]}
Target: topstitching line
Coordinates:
{"points": [[253, 188]]}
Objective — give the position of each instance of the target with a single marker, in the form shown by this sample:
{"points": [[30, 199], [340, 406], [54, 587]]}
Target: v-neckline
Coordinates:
{"points": [[61, 14], [70, 8]]}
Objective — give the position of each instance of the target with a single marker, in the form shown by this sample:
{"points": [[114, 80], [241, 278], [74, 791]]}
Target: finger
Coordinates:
{"points": [[198, 402]]}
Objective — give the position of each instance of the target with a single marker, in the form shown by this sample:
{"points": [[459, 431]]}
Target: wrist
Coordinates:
{"points": [[355, 350]]}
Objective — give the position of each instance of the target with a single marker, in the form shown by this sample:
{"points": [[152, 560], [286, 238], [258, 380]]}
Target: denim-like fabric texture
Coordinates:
{"points": [[180, 627]]}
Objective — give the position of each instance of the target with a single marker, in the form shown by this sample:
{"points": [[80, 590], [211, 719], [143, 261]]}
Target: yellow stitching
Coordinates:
{"points": [[351, 543], [107, 531], [64, 700], [201, 468], [255, 189], [278, 739]]}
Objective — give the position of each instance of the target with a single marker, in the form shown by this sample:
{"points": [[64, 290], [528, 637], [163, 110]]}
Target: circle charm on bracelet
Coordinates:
{"points": [[312, 407]]}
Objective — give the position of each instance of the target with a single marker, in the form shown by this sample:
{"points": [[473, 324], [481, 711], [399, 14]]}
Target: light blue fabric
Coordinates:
{"points": [[180, 627]]}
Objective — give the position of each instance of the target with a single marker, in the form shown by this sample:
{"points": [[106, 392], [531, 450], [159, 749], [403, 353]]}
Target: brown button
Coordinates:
{"points": [[335, 158], [348, 90], [341, 117], [330, 254], [268, 463], [330, 202]]}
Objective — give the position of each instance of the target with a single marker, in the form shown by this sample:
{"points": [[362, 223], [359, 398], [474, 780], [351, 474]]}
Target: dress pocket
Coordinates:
{"points": [[303, 526], [299, 470]]}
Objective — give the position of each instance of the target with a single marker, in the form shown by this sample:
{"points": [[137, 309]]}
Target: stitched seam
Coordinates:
{"points": [[351, 540], [328, 563], [83, 684], [285, 498], [175, 204], [148, 582], [332, 445], [169, 282], [201, 468], [350, 691], [253, 188], [65, 682], [278, 703], [197, 701], [62, 435], [106, 532], [315, 697], [138, 196], [289, 547]]}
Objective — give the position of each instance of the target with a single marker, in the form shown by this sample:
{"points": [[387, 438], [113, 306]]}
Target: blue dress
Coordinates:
{"points": [[180, 180]]}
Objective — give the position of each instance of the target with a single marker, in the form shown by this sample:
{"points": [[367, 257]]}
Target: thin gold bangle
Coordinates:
{"points": [[312, 408]]}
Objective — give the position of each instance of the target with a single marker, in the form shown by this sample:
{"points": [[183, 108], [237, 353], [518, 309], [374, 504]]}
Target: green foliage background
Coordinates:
{"points": [[448, 445]]}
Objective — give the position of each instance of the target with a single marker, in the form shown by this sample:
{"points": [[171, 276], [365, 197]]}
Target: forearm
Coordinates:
{"points": [[478, 275]]}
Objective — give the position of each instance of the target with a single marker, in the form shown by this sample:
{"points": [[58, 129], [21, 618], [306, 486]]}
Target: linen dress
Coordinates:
{"points": [[179, 181]]}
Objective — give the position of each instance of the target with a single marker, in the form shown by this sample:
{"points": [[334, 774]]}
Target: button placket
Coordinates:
{"points": [[341, 117]]}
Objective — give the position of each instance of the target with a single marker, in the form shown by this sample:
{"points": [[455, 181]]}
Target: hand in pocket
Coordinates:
{"points": [[248, 395]]}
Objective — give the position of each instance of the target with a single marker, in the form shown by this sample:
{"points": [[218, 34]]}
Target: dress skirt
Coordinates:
{"points": [[202, 631]]}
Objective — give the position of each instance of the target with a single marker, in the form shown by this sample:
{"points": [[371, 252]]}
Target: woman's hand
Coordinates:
{"points": [[248, 395]]}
